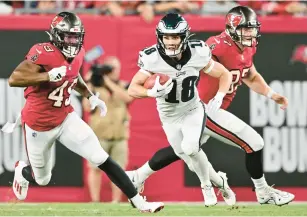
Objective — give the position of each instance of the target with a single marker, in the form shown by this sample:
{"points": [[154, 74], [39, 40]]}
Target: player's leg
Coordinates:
{"points": [[119, 153], [192, 129], [38, 147], [226, 127], [94, 175], [219, 179], [162, 158], [78, 137]]}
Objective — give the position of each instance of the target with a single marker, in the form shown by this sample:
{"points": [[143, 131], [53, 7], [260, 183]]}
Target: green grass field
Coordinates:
{"points": [[105, 209]]}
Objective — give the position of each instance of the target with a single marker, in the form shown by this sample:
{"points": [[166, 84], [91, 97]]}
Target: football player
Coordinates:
{"points": [[181, 111], [234, 48], [49, 73]]}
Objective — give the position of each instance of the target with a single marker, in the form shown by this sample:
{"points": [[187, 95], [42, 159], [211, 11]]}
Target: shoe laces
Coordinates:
{"points": [[271, 190]]}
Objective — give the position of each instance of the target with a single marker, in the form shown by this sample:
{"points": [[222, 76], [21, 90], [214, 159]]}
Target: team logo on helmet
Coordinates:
{"points": [[56, 20], [234, 20]]}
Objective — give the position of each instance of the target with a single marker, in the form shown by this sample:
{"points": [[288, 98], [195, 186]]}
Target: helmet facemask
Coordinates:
{"points": [[248, 36], [173, 49], [69, 43]]}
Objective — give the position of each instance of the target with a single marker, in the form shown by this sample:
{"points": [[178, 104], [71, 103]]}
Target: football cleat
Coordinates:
{"points": [[20, 184], [270, 195], [228, 195], [134, 177], [151, 207], [209, 195]]}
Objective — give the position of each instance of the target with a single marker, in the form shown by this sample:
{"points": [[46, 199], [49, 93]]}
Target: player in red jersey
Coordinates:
{"points": [[234, 48], [50, 72]]}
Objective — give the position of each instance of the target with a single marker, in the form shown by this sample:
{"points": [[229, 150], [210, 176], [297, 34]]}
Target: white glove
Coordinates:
{"points": [[56, 74], [215, 104], [95, 101], [159, 90]]}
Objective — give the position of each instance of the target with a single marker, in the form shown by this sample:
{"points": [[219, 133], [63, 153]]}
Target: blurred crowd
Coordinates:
{"points": [[148, 9]]}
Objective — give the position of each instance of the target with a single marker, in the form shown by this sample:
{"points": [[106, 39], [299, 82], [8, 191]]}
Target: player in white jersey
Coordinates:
{"points": [[180, 109]]}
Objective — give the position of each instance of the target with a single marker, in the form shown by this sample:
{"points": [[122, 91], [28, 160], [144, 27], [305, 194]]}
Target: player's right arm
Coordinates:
{"points": [[30, 72], [27, 74], [137, 89]]}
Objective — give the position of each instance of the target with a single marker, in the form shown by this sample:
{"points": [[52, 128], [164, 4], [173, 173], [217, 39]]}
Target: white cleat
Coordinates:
{"points": [[270, 195], [134, 177], [228, 195], [209, 195], [20, 184], [152, 207]]}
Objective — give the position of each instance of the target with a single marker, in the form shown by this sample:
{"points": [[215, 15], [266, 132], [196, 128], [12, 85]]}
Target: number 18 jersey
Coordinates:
{"points": [[184, 73], [48, 104]]}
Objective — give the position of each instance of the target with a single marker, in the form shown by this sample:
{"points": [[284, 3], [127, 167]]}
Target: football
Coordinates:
{"points": [[150, 82]]}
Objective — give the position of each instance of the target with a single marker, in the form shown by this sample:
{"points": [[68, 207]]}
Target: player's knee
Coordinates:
{"points": [[42, 181], [189, 149], [98, 158], [258, 143]]}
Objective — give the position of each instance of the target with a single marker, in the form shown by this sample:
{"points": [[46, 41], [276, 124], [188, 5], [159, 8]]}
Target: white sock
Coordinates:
{"points": [[144, 172], [138, 201], [200, 165], [214, 177], [260, 183]]}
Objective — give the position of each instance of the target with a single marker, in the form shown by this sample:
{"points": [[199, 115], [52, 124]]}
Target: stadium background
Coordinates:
{"points": [[281, 60]]}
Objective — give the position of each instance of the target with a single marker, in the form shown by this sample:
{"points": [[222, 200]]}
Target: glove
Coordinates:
{"points": [[159, 90], [215, 104], [95, 101], [56, 74]]}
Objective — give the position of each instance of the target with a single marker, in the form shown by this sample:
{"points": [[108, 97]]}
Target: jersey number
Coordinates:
{"points": [[236, 78], [187, 92], [57, 94]]}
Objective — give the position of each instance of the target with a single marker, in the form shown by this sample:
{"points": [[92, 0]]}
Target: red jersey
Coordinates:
{"points": [[48, 103], [238, 62]]}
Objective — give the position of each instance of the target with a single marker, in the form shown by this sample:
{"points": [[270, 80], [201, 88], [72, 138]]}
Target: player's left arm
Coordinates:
{"points": [[256, 82], [217, 70], [85, 91], [82, 88]]}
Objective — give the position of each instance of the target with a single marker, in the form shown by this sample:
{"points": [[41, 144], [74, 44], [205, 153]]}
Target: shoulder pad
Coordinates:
{"points": [[201, 48], [41, 53], [148, 57]]}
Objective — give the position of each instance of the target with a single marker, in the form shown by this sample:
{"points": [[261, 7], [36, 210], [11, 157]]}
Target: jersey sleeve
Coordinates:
{"points": [[40, 54], [201, 52]]}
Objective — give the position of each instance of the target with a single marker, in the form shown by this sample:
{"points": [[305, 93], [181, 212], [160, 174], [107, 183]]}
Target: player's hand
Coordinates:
{"points": [[281, 100], [215, 104], [56, 74], [96, 102], [159, 90]]}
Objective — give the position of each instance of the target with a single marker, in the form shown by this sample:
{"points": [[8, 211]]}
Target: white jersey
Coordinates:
{"points": [[184, 73]]}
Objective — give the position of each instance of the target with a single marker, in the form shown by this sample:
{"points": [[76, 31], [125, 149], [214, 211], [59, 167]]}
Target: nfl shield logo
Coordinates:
{"points": [[34, 134], [178, 66]]}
